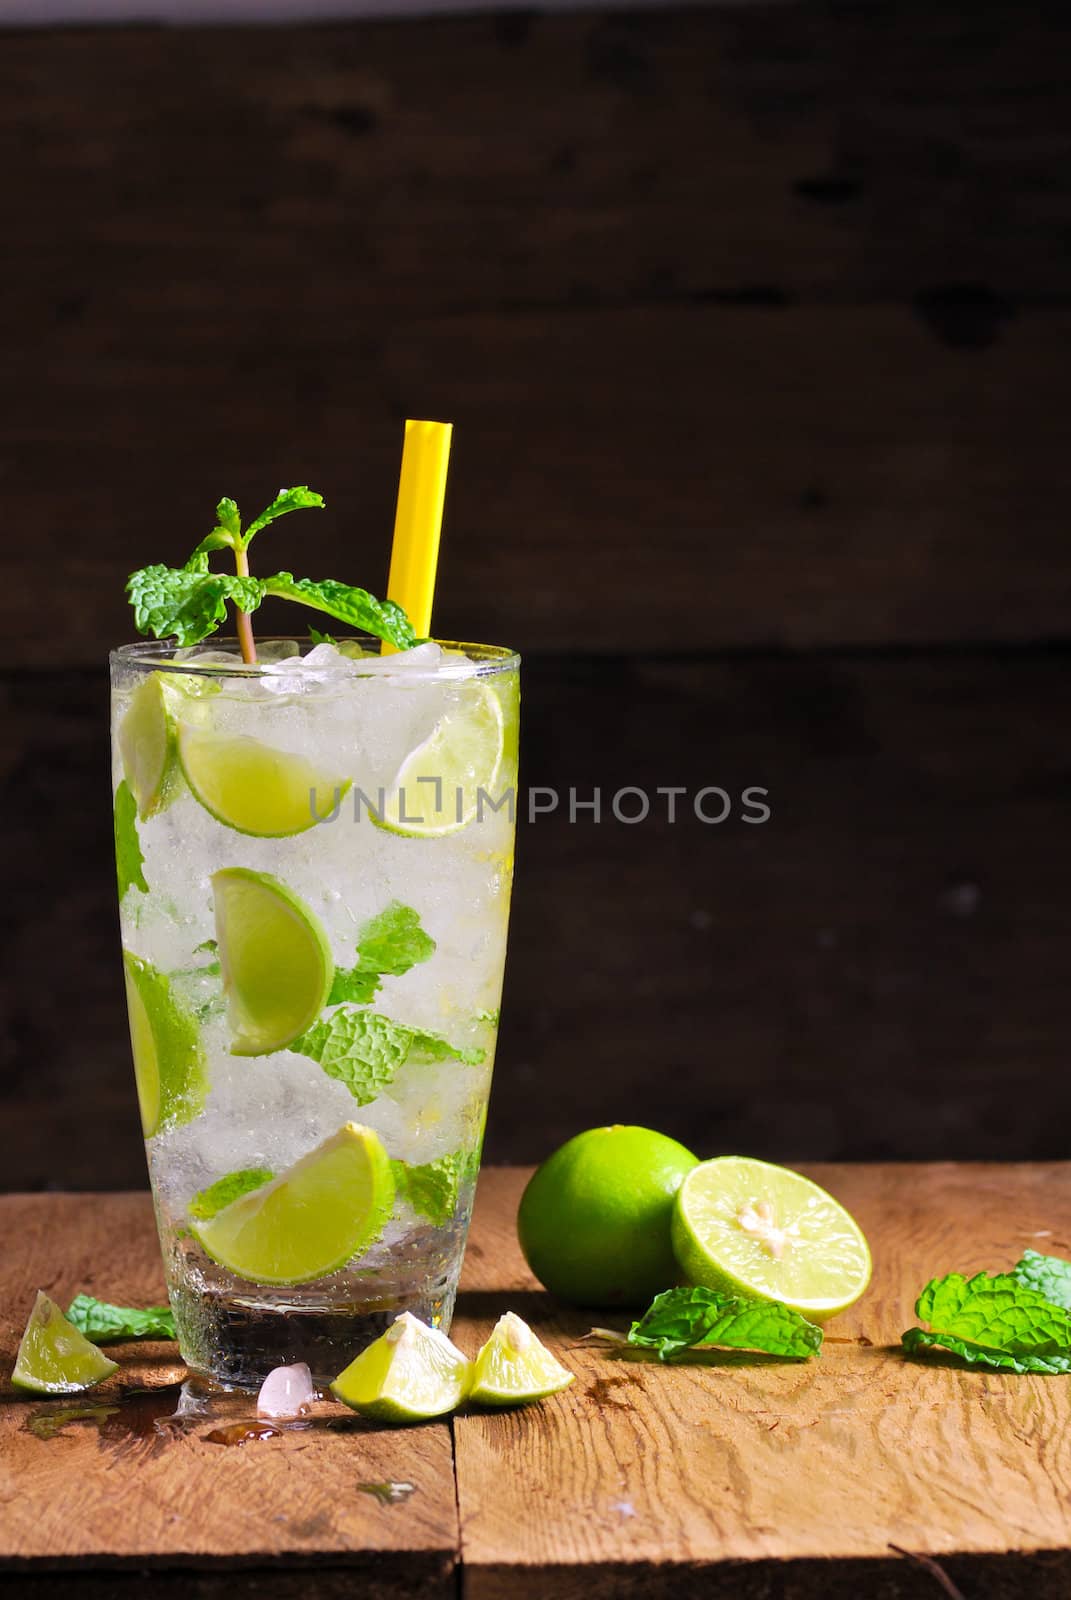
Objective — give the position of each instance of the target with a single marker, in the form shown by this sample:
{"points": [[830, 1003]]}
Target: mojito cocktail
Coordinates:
{"points": [[315, 859]]}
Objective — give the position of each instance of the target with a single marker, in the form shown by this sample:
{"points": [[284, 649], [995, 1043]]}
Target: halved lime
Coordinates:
{"points": [[410, 1374], [147, 745], [311, 1219], [54, 1357], [253, 788], [750, 1227], [277, 964], [169, 1063], [513, 1367], [437, 789]]}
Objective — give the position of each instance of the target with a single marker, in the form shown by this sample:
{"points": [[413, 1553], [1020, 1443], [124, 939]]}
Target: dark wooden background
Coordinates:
{"points": [[756, 328]]}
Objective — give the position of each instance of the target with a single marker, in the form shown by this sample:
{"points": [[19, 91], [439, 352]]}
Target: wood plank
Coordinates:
{"points": [[878, 972], [749, 1480], [99, 1496], [647, 299], [846, 479]]}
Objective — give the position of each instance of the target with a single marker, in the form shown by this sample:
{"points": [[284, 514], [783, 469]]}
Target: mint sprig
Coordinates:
{"points": [[188, 603], [682, 1319], [365, 1050], [388, 945], [432, 1188], [993, 1321], [102, 1323]]}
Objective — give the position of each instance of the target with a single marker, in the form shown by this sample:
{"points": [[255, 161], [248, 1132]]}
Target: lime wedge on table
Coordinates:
{"points": [[411, 1373], [146, 744], [514, 1367], [277, 966], [436, 790], [311, 1219], [749, 1227], [252, 788], [169, 1063], [54, 1358]]}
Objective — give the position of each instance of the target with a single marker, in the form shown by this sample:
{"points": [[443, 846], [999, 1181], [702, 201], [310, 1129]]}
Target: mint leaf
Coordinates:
{"points": [[1049, 1275], [389, 944], [299, 499], [680, 1319], [101, 1322], [364, 1050], [347, 604], [228, 1188], [188, 603], [432, 1188], [917, 1340], [228, 522], [996, 1321], [129, 860]]}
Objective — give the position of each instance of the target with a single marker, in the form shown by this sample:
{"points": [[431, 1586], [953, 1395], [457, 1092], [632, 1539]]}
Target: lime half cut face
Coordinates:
{"points": [[54, 1357], [437, 788], [514, 1367], [410, 1374], [749, 1227], [253, 788], [310, 1220], [277, 965]]}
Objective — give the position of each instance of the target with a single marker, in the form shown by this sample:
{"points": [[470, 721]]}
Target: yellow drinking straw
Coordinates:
{"points": [[418, 521]]}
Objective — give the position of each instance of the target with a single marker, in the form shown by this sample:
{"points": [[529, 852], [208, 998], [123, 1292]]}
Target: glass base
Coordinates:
{"points": [[237, 1341]]}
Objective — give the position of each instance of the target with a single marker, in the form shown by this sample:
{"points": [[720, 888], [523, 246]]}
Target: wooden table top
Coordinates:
{"points": [[860, 1474]]}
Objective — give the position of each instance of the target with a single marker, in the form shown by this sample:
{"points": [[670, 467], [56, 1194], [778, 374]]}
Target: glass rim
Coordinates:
{"points": [[163, 655]]}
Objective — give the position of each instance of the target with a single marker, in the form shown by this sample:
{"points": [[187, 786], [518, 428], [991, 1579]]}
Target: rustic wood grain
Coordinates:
{"points": [[657, 1481], [878, 972], [97, 1498], [752, 321]]}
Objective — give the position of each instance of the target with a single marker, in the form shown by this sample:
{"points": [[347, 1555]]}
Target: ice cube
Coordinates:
{"points": [[286, 1392], [421, 658]]}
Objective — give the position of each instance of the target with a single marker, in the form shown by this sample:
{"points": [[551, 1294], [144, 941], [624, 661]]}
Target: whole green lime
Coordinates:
{"points": [[594, 1221]]}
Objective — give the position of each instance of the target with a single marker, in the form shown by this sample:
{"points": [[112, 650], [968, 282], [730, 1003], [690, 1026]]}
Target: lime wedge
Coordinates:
{"points": [[54, 1358], [169, 1063], [252, 788], [147, 744], [311, 1219], [749, 1227], [437, 788], [277, 966], [410, 1374], [514, 1367]]}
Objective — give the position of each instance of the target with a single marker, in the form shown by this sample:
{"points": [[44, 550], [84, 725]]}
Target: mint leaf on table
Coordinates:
{"points": [[993, 1321], [364, 1050], [387, 945], [1049, 1275], [129, 861], [432, 1188], [682, 1319], [102, 1323], [228, 1188]]}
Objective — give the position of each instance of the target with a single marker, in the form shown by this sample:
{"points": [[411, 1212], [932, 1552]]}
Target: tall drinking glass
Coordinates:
{"points": [[315, 859]]}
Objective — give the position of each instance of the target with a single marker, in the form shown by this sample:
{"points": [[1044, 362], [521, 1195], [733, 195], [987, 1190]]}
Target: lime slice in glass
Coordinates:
{"points": [[514, 1367], [54, 1358], [749, 1227], [252, 788], [410, 1374], [311, 1219], [277, 966], [169, 1063], [147, 744], [438, 785]]}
